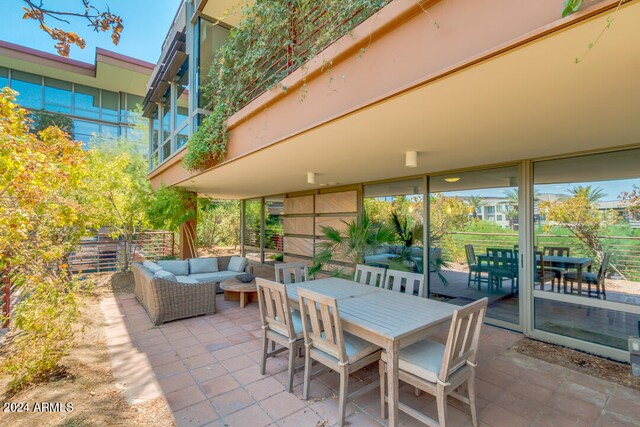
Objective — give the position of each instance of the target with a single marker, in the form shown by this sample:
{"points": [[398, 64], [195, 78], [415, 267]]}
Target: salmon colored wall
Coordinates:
{"points": [[403, 48]]}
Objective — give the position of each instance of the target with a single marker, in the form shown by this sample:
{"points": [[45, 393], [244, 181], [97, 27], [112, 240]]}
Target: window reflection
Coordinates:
{"points": [[4, 77], [29, 87], [57, 96], [474, 239], [87, 102], [109, 106]]}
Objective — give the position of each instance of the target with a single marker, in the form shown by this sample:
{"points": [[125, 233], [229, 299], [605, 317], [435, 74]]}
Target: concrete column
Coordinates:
{"points": [[187, 231]]}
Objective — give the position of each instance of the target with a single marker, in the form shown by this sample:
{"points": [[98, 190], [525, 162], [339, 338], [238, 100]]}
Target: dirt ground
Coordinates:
{"points": [[87, 382], [605, 369]]}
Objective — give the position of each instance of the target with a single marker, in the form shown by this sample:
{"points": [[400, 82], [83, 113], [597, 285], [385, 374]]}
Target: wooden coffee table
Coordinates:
{"points": [[235, 290]]}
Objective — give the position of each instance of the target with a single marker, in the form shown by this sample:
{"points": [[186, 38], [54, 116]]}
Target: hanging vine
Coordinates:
{"points": [[272, 40]]}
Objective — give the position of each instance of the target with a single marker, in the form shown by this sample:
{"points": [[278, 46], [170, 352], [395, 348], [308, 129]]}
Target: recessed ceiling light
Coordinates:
{"points": [[454, 179]]}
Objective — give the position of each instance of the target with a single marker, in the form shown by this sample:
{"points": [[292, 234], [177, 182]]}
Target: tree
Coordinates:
{"points": [[475, 202], [41, 221], [118, 191], [219, 223], [98, 20], [40, 120], [447, 214], [631, 201], [580, 215], [592, 194]]}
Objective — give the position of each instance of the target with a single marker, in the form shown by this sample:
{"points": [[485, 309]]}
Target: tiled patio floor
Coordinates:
{"points": [[207, 370]]}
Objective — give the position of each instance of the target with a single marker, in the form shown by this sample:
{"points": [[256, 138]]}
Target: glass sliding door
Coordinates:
{"points": [[399, 206], [587, 236], [252, 227], [473, 236], [273, 229]]}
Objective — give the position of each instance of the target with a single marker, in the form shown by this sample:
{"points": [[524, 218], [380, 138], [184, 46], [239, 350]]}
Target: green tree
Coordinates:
{"points": [[118, 191], [592, 194], [475, 203], [41, 221], [219, 223], [44, 119]]}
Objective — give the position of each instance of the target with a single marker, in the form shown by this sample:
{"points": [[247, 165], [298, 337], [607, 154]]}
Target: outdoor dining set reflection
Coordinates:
{"points": [[555, 270]]}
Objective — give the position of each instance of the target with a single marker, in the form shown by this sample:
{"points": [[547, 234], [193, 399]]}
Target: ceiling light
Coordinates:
{"points": [[311, 177], [411, 159], [454, 179]]}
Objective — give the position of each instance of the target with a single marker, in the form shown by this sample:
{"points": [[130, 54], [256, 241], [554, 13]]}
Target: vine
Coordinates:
{"points": [[272, 40]]}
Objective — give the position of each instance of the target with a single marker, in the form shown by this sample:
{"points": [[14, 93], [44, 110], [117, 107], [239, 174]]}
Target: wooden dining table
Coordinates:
{"points": [[385, 318]]}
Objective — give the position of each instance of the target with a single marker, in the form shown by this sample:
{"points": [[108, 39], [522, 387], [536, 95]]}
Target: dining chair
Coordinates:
{"points": [[591, 278], [558, 269], [368, 275], [280, 325], [440, 369], [543, 275], [328, 344], [291, 272], [502, 264], [476, 268], [404, 282]]}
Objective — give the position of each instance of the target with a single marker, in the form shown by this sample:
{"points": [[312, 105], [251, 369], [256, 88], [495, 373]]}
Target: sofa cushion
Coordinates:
{"points": [[165, 275], [380, 258], [187, 280], [218, 276], [237, 263], [179, 268], [203, 265], [152, 266]]}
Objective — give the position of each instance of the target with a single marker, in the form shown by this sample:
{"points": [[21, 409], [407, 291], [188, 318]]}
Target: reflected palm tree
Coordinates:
{"points": [[592, 194], [475, 202]]}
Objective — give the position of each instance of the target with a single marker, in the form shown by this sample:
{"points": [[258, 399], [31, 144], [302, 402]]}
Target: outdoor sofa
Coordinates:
{"points": [[386, 253], [171, 290]]}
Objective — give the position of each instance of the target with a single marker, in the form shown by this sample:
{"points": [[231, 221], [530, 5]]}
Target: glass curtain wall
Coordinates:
{"points": [[211, 37], [252, 227], [273, 229], [4, 77], [57, 96], [399, 206], [29, 88], [587, 235], [473, 223]]}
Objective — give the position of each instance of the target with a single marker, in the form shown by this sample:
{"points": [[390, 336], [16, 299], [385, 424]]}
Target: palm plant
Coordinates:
{"points": [[351, 243], [475, 202], [592, 194]]}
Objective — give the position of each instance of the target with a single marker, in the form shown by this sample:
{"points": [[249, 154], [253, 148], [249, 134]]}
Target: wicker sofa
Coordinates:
{"points": [[168, 296]]}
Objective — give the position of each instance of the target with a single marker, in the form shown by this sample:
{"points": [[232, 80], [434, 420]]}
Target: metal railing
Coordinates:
{"points": [[625, 250], [105, 254], [304, 33]]}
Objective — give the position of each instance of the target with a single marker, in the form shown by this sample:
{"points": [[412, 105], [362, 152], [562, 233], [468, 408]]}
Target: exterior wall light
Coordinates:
{"points": [[411, 159], [311, 177]]}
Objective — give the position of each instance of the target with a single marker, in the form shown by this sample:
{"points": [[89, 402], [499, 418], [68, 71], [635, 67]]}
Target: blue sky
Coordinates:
{"points": [[146, 23]]}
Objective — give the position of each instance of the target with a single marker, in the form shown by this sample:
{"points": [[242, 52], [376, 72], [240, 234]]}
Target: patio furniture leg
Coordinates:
{"points": [[383, 390], [344, 388], [292, 359], [471, 392], [441, 402], [265, 349], [307, 375]]}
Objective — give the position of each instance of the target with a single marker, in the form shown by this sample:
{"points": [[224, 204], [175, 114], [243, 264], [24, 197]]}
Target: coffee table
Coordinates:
{"points": [[234, 290]]}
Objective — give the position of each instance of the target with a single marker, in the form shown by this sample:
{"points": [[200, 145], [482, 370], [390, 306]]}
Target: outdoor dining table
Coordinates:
{"points": [[385, 318], [580, 264]]}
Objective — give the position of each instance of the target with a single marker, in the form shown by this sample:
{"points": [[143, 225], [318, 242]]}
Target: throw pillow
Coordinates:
{"points": [[203, 265], [237, 263], [178, 268], [152, 266], [166, 275]]}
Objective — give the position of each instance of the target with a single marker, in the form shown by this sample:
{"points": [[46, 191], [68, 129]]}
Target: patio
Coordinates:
{"points": [[206, 368]]}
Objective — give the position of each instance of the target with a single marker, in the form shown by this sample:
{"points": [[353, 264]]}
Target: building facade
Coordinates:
{"points": [[102, 99], [489, 102]]}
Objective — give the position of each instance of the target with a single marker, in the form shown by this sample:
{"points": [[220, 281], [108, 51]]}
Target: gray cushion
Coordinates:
{"points": [[237, 263], [356, 348], [203, 265], [380, 258], [218, 276], [423, 359], [166, 275], [187, 280], [152, 266], [179, 268]]}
